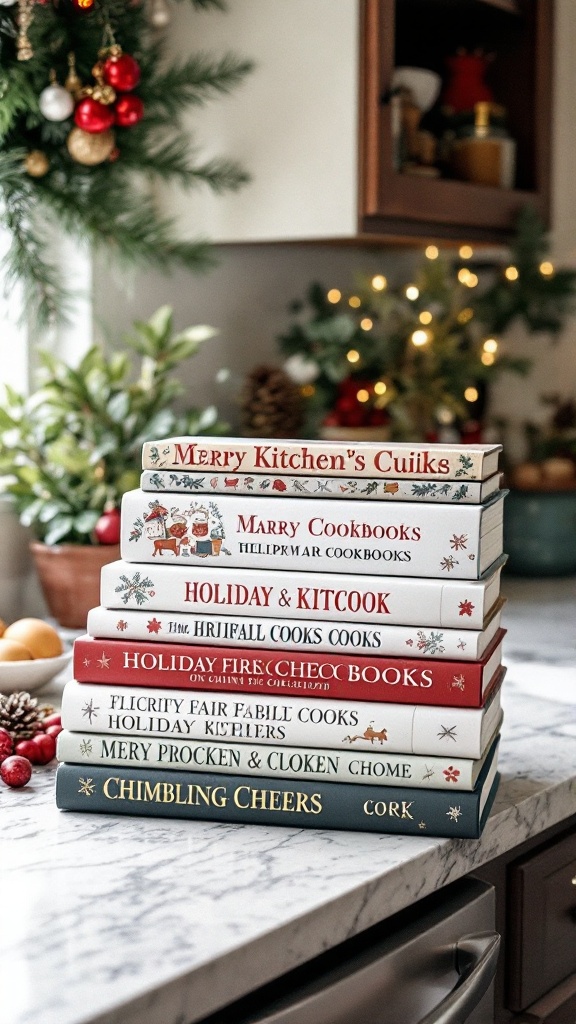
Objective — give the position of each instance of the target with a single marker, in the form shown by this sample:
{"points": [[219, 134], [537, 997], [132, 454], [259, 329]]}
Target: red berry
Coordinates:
{"points": [[16, 771], [6, 745], [107, 529], [53, 730], [30, 750], [46, 745], [51, 720]]}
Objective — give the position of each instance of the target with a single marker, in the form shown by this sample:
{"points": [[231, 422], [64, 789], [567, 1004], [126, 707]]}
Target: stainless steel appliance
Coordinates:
{"points": [[433, 964]]}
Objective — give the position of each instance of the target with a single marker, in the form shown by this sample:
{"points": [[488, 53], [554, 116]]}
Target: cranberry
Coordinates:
{"points": [[46, 746], [28, 749], [16, 771]]}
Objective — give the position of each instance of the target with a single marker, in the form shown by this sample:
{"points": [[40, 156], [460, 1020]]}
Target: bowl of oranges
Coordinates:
{"points": [[31, 654]]}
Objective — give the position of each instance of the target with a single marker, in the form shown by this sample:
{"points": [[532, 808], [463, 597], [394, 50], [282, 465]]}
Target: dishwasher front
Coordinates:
{"points": [[431, 964]]}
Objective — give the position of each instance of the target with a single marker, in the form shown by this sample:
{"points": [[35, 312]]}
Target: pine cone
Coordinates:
{"points": [[271, 404], [21, 716]]}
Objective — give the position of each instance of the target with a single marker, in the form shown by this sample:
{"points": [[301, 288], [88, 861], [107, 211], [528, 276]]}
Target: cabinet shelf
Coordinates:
{"points": [[399, 32]]}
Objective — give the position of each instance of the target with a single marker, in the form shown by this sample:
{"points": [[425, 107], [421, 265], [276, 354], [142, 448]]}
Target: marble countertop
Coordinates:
{"points": [[114, 920]]}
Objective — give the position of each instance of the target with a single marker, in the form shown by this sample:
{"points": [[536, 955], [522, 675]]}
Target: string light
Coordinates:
{"points": [[380, 387], [353, 356], [363, 395], [463, 275], [511, 273], [334, 295], [366, 324], [307, 390], [487, 358], [471, 394], [472, 281], [465, 315], [379, 283], [431, 252], [425, 317], [419, 338], [465, 252], [546, 268], [490, 345], [354, 301], [412, 292]]}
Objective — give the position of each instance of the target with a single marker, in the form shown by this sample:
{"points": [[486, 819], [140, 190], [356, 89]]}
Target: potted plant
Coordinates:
{"points": [[540, 510], [70, 450]]}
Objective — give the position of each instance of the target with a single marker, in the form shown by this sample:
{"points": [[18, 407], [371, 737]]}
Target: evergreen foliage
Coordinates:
{"points": [[109, 204]]}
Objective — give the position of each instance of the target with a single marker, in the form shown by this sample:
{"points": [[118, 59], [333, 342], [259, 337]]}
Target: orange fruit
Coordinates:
{"points": [[39, 637], [11, 650]]}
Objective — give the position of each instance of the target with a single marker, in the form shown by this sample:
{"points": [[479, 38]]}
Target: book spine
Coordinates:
{"points": [[238, 798], [346, 598], [224, 669], [363, 489], [408, 540], [291, 721], [287, 634], [380, 461], [455, 774]]}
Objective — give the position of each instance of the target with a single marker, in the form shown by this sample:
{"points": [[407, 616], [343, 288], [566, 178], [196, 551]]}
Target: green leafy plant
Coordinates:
{"points": [[72, 448]]}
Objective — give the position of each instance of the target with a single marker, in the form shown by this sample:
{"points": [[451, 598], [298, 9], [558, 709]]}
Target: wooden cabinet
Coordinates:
{"points": [[422, 33], [313, 123]]}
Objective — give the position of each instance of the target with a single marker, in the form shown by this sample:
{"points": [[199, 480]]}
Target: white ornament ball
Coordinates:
{"points": [[7, 3], [301, 370], [56, 103]]}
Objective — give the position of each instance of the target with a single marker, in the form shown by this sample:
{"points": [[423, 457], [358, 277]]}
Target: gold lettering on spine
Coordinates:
{"points": [[106, 788], [126, 789], [238, 793]]}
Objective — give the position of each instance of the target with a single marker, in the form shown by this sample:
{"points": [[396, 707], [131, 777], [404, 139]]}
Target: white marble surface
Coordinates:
{"points": [[114, 920]]}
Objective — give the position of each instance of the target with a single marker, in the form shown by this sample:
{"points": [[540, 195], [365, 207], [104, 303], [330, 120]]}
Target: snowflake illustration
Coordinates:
{"points": [[458, 683], [454, 813], [121, 625], [458, 541], [447, 732], [86, 662], [448, 563], [465, 608], [90, 710], [136, 588], [103, 661], [461, 645], [86, 748], [430, 644], [422, 824], [451, 774], [428, 773], [409, 643], [87, 787], [153, 626]]}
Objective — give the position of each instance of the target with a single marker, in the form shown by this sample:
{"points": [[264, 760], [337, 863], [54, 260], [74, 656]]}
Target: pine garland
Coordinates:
{"points": [[108, 205]]}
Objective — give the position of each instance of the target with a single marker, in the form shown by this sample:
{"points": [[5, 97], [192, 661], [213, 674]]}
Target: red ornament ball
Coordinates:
{"points": [[107, 529], [54, 719], [16, 771], [92, 116], [6, 745], [122, 72], [129, 110]]}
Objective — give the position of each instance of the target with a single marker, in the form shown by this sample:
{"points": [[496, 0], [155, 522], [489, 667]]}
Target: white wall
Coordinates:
{"points": [[247, 295]]}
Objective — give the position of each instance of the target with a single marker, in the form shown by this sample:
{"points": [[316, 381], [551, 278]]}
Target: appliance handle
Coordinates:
{"points": [[476, 960]]}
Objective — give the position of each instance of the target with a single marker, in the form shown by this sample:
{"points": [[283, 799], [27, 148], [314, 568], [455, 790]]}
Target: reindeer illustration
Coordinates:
{"points": [[369, 734]]}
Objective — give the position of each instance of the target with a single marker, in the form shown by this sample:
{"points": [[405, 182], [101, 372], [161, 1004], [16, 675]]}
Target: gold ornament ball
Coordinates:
{"points": [[88, 149], [36, 163]]}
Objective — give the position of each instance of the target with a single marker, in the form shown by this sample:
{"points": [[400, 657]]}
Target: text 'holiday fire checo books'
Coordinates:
{"points": [[369, 768], [346, 598], [379, 460], [404, 539], [279, 801], [292, 721], [242, 670], [357, 489], [289, 634]]}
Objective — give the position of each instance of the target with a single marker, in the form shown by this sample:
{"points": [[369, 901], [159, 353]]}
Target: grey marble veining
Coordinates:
{"points": [[115, 920]]}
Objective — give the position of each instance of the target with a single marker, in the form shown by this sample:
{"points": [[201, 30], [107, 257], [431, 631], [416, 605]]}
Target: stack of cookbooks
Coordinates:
{"points": [[298, 633]]}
